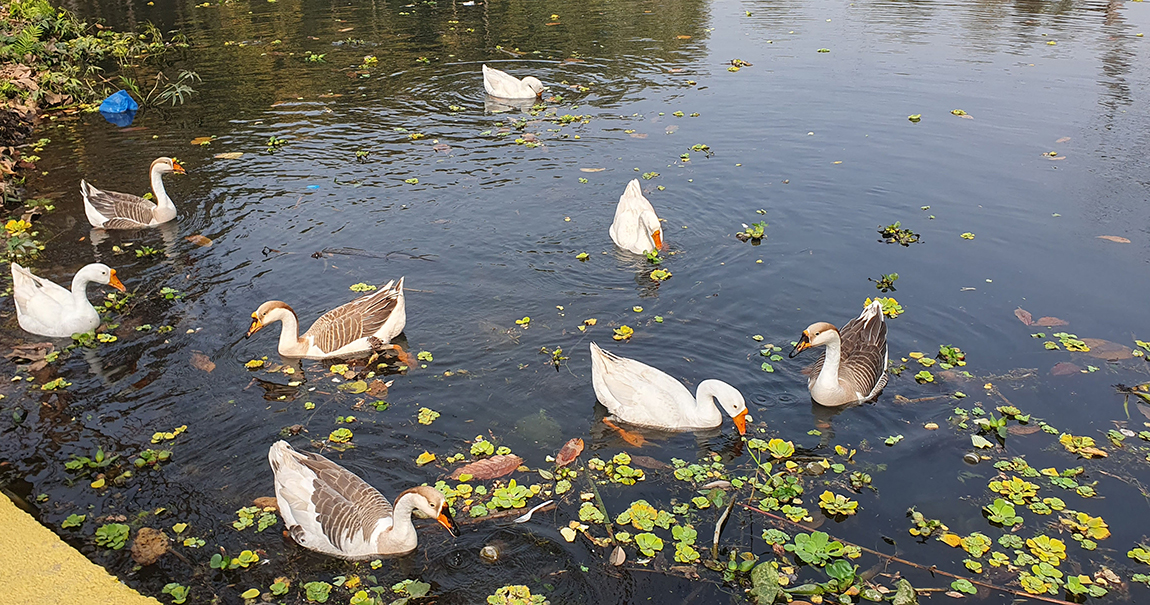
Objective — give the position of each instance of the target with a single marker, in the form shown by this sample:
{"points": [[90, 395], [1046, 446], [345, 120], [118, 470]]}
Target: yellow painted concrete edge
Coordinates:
{"points": [[41, 569]]}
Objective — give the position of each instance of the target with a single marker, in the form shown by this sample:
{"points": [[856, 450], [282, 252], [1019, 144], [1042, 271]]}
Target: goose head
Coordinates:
{"points": [[269, 312], [167, 165], [101, 274], [817, 334], [652, 228], [534, 84], [432, 504], [730, 399]]}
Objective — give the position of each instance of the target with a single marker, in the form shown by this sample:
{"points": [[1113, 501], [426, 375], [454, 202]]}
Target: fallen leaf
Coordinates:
{"points": [[1023, 429], [681, 38], [346, 29], [618, 556], [1062, 140], [149, 546], [1024, 316], [1107, 350], [592, 169], [266, 502], [1093, 451], [569, 452], [424, 458], [1051, 322], [489, 468], [648, 462], [202, 362], [231, 155], [377, 388], [568, 534], [201, 140], [1064, 368], [199, 240], [1114, 238], [953, 540], [980, 441]]}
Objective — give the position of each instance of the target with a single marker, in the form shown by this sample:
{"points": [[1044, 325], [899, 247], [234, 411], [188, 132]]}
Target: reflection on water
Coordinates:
{"points": [[403, 167]]}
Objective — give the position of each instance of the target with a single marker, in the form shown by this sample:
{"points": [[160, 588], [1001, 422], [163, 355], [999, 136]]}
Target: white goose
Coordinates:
{"points": [[853, 367], [639, 394], [505, 86], [366, 324], [111, 210], [636, 227], [328, 509], [46, 309]]}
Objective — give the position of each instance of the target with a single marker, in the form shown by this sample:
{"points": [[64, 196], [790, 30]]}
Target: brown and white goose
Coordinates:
{"points": [[853, 367], [111, 210], [366, 324], [328, 509]]}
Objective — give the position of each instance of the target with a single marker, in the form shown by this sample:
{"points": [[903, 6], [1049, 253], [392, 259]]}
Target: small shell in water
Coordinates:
{"points": [[971, 458], [490, 553]]}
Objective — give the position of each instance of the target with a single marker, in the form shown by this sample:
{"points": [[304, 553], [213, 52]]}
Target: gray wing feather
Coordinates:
{"points": [[864, 354], [344, 503], [357, 319], [121, 205]]}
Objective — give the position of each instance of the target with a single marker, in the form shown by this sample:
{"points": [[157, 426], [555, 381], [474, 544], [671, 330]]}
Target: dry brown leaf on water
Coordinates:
{"points": [[230, 155], [569, 452], [377, 388], [31, 352], [1107, 350], [1024, 316], [266, 502], [199, 240], [648, 462], [592, 169], [618, 556], [442, 147], [1062, 140], [1064, 368], [149, 546], [202, 362], [490, 468], [201, 140], [1114, 238], [1051, 322], [638, 135], [683, 37], [1023, 429], [1094, 452]]}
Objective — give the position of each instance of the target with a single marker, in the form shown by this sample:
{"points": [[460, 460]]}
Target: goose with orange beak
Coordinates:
{"points": [[852, 369], [112, 210], [636, 227], [641, 395], [328, 509], [48, 309]]}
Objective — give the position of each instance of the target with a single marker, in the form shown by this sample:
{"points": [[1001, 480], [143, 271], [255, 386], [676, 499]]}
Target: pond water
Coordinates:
{"points": [[817, 144]]}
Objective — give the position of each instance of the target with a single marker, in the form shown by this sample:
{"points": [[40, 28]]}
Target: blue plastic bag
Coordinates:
{"points": [[119, 109]]}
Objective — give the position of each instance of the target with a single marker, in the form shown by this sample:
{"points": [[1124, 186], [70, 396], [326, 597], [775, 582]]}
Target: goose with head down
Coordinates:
{"points": [[639, 394], [47, 309], [852, 369], [505, 86], [366, 324], [636, 227], [328, 509], [111, 210]]}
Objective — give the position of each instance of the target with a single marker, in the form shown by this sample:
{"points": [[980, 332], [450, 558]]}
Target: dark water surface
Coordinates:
{"points": [[820, 141]]}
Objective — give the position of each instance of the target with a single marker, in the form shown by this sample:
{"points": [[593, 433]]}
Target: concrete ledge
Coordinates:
{"points": [[41, 569]]}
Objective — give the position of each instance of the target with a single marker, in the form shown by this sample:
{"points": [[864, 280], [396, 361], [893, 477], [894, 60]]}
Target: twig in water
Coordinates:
{"points": [[719, 530]]}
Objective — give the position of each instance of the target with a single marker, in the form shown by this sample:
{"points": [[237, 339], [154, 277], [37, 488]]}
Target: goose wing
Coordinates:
{"points": [[357, 319], [123, 206], [325, 498], [503, 85], [30, 291], [864, 352], [636, 392]]}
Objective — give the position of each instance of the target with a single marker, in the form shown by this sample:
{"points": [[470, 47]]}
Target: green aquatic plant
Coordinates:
{"points": [[112, 535], [178, 592], [835, 504], [815, 548], [516, 595], [895, 234], [317, 592], [885, 282], [1002, 512]]}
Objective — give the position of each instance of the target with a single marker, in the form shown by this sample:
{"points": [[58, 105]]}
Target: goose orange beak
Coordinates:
{"points": [[256, 326], [803, 344], [115, 282], [445, 520], [177, 168], [657, 237], [741, 422]]}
